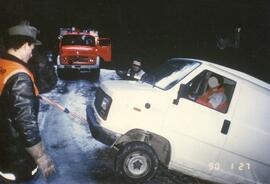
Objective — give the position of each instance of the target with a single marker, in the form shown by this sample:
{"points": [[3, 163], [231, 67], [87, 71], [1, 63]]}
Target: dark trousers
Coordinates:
{"points": [[22, 168]]}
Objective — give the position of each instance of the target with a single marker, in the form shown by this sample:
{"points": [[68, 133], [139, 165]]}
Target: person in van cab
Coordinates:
{"points": [[215, 96], [135, 72]]}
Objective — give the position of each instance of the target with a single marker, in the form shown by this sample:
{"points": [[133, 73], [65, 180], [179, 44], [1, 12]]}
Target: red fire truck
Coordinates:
{"points": [[82, 51]]}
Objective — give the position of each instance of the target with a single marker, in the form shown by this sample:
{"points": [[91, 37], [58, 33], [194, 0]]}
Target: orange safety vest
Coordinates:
{"points": [[205, 98], [9, 68]]}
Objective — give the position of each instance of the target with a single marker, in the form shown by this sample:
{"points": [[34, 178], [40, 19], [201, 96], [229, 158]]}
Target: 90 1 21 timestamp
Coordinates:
{"points": [[241, 166]]}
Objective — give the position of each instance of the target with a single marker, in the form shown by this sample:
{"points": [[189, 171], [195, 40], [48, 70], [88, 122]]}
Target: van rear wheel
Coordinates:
{"points": [[137, 162]]}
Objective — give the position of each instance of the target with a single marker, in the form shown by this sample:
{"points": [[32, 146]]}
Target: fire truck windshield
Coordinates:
{"points": [[78, 40]]}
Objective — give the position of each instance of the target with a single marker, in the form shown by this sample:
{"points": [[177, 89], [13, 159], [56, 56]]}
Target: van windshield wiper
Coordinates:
{"points": [[150, 79]]}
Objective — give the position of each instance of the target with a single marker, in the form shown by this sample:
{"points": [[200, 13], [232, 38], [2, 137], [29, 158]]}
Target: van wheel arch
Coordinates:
{"points": [[159, 144]]}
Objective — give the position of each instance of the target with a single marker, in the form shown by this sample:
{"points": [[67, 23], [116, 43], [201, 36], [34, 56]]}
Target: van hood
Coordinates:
{"points": [[135, 99], [127, 88]]}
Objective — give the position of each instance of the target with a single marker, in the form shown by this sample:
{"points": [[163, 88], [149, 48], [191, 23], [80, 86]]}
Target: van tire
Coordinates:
{"points": [[143, 156]]}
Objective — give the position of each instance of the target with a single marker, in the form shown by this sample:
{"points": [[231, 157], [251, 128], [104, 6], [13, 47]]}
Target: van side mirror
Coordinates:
{"points": [[182, 92]]}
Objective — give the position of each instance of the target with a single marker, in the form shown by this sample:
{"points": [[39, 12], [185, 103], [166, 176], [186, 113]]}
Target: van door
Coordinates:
{"points": [[245, 156], [198, 132]]}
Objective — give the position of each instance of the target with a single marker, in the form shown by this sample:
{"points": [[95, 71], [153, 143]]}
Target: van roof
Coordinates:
{"points": [[237, 73]]}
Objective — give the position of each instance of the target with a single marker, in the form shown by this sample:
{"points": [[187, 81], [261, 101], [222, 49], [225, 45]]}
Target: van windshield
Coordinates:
{"points": [[78, 40], [170, 73]]}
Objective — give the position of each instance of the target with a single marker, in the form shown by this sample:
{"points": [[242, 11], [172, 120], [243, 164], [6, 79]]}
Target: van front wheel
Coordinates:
{"points": [[137, 162]]}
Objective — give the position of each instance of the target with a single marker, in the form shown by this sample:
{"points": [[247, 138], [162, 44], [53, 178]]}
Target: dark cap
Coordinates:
{"points": [[25, 30]]}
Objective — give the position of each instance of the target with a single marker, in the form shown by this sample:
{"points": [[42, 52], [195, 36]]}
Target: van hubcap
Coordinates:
{"points": [[137, 165]]}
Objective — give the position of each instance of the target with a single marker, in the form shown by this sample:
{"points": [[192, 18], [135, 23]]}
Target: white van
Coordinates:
{"points": [[160, 120]]}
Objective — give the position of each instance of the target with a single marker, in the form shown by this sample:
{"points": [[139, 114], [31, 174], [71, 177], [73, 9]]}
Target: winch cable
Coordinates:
{"points": [[63, 109]]}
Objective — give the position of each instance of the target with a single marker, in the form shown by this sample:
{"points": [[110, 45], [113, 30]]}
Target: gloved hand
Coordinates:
{"points": [[43, 160], [46, 165]]}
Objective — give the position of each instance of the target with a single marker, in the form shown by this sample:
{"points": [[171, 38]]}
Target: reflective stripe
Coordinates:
{"points": [[12, 177], [137, 75], [8, 176], [34, 171]]}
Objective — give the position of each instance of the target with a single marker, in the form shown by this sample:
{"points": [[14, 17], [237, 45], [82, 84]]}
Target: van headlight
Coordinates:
{"points": [[105, 103], [105, 107], [102, 103]]}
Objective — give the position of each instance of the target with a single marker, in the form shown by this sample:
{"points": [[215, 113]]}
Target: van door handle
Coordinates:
{"points": [[225, 127]]}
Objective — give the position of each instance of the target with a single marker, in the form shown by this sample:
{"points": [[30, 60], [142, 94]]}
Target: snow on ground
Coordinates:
{"points": [[79, 157]]}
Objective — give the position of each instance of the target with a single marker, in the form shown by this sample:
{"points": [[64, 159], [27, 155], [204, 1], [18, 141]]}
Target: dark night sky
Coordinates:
{"points": [[159, 29]]}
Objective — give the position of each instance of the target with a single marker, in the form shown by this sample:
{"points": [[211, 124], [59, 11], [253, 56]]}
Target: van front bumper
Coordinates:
{"points": [[98, 132]]}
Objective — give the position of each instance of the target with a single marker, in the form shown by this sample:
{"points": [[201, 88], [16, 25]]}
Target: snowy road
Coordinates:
{"points": [[79, 157]]}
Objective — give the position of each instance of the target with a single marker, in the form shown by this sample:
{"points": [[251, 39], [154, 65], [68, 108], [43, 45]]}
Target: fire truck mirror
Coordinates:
{"points": [[104, 42]]}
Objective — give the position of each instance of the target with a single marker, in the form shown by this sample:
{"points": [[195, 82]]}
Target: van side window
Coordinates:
{"points": [[211, 90]]}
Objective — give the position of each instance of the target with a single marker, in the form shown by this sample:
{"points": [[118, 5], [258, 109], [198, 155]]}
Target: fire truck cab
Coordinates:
{"points": [[82, 51]]}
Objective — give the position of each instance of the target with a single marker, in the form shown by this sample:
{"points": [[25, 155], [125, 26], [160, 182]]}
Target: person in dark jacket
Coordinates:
{"points": [[135, 72], [21, 148], [43, 71]]}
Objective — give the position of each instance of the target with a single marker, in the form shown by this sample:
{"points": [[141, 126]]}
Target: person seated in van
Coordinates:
{"points": [[135, 72], [214, 97]]}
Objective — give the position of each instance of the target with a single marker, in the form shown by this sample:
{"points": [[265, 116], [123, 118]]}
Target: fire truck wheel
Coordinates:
{"points": [[95, 74], [61, 73]]}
